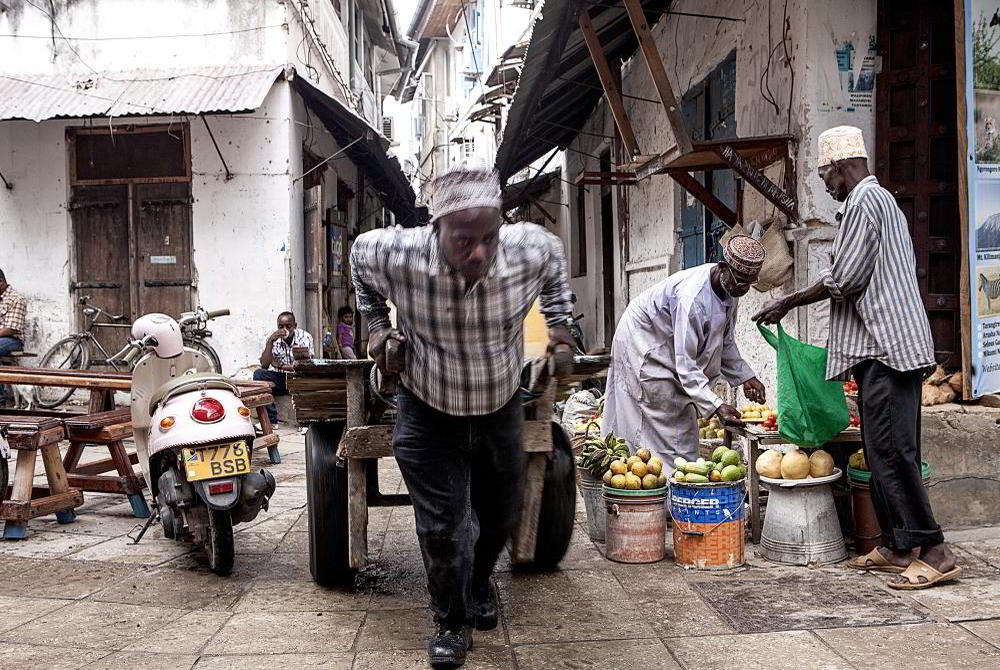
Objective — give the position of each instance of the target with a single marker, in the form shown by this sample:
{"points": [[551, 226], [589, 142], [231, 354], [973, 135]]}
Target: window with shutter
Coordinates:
{"points": [[387, 128]]}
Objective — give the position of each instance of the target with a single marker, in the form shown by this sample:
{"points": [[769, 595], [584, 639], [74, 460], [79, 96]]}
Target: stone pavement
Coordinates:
{"points": [[82, 596]]}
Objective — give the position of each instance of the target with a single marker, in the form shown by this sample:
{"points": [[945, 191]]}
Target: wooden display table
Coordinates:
{"points": [[27, 436], [758, 438]]}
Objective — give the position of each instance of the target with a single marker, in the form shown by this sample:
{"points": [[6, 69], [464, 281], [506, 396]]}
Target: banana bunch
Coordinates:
{"points": [[598, 453]]}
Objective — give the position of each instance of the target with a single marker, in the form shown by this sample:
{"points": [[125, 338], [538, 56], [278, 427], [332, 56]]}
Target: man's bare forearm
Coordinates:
{"points": [[807, 296]]}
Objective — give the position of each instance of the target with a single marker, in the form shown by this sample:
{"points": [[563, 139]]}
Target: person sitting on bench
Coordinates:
{"points": [[277, 359], [13, 312]]}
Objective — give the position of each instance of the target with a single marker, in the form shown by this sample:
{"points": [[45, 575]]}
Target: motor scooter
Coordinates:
{"points": [[194, 439]]}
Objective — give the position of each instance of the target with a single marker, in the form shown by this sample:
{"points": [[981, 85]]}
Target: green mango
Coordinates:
{"points": [[719, 451], [692, 478], [733, 473]]}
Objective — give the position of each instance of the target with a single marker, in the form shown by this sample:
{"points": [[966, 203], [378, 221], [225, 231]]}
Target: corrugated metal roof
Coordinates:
{"points": [[136, 92]]}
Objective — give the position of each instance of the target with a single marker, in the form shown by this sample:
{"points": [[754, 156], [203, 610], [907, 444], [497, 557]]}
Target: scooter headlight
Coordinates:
{"points": [[208, 410]]}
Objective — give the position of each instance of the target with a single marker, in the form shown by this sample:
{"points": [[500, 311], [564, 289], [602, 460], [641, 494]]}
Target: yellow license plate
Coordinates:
{"points": [[221, 460]]}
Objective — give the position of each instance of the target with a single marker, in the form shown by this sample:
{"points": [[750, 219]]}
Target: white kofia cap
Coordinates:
{"points": [[465, 188], [841, 143]]}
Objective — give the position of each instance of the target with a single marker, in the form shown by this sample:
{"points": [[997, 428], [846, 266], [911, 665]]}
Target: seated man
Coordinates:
{"points": [[13, 311], [276, 360]]}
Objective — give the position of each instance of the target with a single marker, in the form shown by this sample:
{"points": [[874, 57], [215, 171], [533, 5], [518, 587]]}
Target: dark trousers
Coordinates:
{"points": [[464, 479], [889, 404], [7, 345], [280, 381]]}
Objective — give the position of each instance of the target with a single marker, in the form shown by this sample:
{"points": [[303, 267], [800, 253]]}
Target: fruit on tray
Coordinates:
{"points": [[733, 473], [710, 429], [850, 386], [718, 453], [728, 467], [756, 412], [820, 464], [795, 465], [769, 464], [607, 477], [855, 421], [857, 460], [770, 423], [641, 471]]}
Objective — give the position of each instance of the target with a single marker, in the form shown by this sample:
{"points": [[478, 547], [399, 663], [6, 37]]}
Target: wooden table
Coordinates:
{"points": [[756, 438]]}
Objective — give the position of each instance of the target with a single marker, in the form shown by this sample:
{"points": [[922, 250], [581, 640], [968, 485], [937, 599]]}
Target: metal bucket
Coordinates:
{"points": [[593, 499], [708, 524], [637, 525], [802, 527]]}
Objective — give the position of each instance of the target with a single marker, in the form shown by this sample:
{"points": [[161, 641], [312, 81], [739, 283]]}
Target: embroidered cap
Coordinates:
{"points": [[841, 143], [744, 254], [465, 188]]}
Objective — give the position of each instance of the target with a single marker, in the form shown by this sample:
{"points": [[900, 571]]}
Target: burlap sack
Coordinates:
{"points": [[778, 261]]}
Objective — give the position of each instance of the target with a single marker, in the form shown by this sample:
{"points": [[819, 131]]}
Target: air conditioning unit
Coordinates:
{"points": [[387, 128]]}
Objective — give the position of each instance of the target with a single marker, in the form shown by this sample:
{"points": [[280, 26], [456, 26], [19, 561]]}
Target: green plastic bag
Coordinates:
{"points": [[811, 410]]}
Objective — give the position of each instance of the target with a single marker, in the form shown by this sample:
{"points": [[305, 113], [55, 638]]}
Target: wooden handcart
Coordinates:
{"points": [[348, 432]]}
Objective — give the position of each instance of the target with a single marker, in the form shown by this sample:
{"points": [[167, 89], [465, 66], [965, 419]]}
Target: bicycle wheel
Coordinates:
{"points": [[204, 348], [69, 353]]}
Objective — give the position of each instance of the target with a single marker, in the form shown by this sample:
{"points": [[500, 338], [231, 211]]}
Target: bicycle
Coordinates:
{"points": [[75, 352]]}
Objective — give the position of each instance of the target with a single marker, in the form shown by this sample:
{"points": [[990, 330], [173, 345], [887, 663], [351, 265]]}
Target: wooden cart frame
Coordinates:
{"points": [[342, 452]]}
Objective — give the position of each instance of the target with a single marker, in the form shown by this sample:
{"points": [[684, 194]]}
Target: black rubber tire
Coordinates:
{"points": [[558, 514], [326, 495], [206, 350], [220, 547], [76, 357]]}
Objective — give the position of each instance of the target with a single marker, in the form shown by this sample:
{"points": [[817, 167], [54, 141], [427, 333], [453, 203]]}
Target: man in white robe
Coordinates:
{"points": [[673, 342]]}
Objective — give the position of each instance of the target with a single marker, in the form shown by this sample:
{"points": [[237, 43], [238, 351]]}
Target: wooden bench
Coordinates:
{"points": [[27, 436]]}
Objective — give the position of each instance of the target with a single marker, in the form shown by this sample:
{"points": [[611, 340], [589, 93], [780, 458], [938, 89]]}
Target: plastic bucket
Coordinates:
{"points": [[636, 526], [867, 532], [591, 489], [708, 524]]}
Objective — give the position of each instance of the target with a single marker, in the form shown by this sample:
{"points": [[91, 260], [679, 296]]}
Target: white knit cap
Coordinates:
{"points": [[841, 143], [465, 188]]}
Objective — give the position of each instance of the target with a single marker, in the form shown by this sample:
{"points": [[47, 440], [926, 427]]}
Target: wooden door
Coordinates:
{"points": [[162, 243], [99, 216], [916, 150], [692, 233], [315, 263]]}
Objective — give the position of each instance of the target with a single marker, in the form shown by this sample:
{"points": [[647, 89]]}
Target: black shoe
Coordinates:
{"points": [[485, 608], [448, 647]]}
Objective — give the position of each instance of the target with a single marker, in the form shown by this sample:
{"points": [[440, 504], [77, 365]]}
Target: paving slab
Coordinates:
{"points": [[61, 578], [341, 661], [986, 630], [787, 650], [574, 584], [396, 581], [640, 654], [44, 544], [986, 548], [10, 566], [410, 629], [680, 615], [93, 625], [287, 633], [975, 563], [397, 541], [931, 646], [962, 600], [149, 552], [179, 589], [18, 610], [802, 603], [294, 542], [187, 634], [297, 595], [14, 656], [563, 620], [130, 660], [402, 519], [481, 657]]}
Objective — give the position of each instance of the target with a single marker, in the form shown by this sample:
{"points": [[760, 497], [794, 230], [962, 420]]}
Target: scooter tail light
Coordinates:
{"points": [[208, 410], [221, 487]]}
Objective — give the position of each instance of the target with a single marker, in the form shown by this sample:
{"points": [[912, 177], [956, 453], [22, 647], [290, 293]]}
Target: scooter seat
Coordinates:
{"points": [[198, 380]]}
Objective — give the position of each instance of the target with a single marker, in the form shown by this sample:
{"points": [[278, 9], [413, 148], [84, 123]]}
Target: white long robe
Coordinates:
{"points": [[673, 342]]}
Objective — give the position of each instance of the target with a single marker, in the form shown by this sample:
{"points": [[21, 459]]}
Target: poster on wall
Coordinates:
{"points": [[982, 92]]}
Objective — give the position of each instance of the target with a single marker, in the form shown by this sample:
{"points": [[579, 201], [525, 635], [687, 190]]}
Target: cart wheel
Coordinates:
{"points": [[558, 513], [326, 494]]}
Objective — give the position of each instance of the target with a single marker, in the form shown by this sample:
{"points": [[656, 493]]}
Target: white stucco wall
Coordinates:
{"points": [[242, 228], [691, 48]]}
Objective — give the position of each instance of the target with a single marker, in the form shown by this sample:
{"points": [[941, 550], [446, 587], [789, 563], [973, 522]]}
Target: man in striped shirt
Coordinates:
{"points": [[461, 288], [879, 332]]}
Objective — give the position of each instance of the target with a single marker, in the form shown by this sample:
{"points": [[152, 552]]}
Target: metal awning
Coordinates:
{"points": [[523, 192], [558, 86], [366, 147], [146, 92]]}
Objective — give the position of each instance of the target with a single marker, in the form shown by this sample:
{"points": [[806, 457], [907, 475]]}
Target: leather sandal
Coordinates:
{"points": [[875, 562], [920, 575]]}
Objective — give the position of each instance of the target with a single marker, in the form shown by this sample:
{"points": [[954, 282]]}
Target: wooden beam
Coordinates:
{"points": [[607, 81], [705, 197], [545, 212], [965, 290], [659, 74], [759, 181]]}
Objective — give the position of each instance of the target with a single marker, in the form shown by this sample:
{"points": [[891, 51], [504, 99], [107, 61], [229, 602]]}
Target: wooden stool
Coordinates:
{"points": [[28, 436], [257, 396], [107, 429]]}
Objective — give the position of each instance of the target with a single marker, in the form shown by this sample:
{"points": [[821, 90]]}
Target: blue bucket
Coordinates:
{"points": [[708, 524]]}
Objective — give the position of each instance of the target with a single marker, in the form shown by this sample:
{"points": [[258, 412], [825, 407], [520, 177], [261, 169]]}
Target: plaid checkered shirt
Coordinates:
{"points": [[13, 311], [465, 346]]}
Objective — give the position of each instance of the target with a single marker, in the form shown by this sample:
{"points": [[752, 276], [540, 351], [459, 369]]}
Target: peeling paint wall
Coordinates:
{"points": [[691, 48]]}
